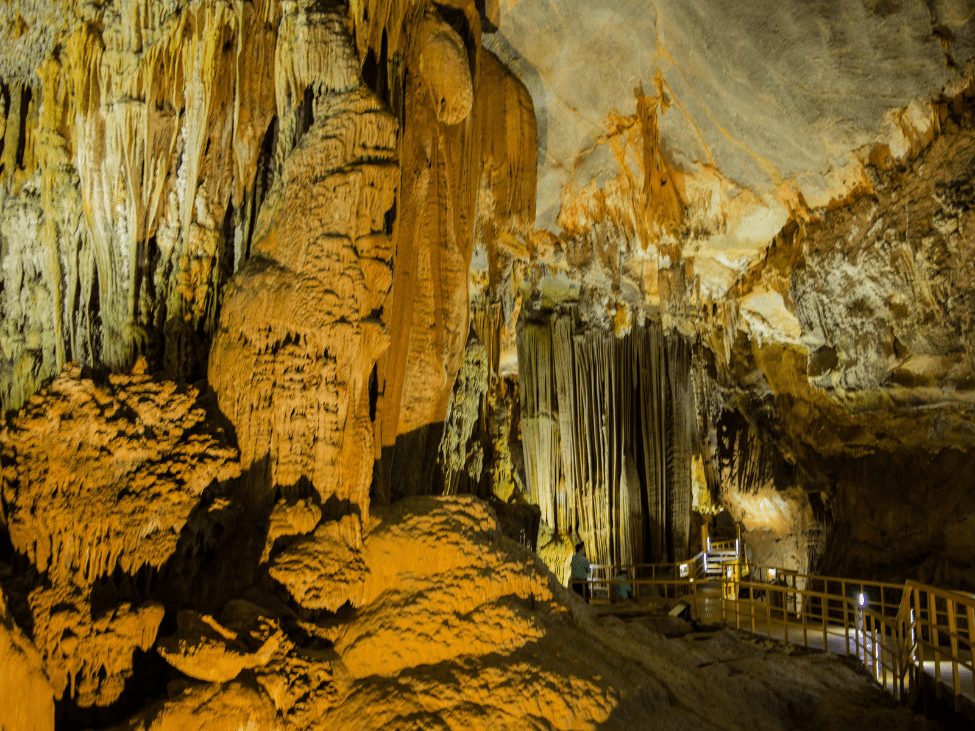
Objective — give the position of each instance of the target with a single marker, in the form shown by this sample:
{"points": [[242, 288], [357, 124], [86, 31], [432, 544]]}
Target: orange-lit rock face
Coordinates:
{"points": [[429, 563], [468, 155], [205, 650], [98, 479], [300, 332], [104, 476], [26, 696]]}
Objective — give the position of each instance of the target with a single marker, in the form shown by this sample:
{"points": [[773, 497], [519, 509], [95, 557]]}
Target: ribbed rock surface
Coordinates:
{"points": [[299, 335]]}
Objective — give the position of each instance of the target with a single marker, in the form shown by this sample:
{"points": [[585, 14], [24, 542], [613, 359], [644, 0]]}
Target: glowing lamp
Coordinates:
{"points": [[862, 599]]}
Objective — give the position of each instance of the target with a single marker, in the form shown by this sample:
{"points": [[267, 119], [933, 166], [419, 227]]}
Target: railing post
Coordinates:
{"points": [[875, 653], [734, 598], [801, 601], [785, 614], [902, 653], [884, 655], [953, 632], [846, 618], [824, 610], [751, 606], [919, 640]]}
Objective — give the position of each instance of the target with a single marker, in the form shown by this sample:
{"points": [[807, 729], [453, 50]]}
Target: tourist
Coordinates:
{"points": [[580, 571], [621, 591]]}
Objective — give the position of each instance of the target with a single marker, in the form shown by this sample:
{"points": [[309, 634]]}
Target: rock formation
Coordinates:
{"points": [[27, 699], [592, 406], [300, 334], [287, 357], [102, 479]]}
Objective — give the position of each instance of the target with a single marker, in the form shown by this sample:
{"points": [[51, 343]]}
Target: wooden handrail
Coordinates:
{"points": [[894, 640]]}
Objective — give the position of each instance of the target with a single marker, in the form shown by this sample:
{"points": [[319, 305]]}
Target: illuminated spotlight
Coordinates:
{"points": [[862, 599], [771, 574]]}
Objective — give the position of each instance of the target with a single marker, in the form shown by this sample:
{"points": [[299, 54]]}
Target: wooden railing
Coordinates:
{"points": [[901, 632], [941, 620]]}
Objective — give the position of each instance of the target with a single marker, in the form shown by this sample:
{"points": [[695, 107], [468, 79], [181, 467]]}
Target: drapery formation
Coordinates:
{"points": [[607, 426]]}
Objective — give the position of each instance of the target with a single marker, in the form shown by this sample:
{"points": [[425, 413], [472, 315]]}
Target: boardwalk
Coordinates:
{"points": [[901, 633], [840, 640]]}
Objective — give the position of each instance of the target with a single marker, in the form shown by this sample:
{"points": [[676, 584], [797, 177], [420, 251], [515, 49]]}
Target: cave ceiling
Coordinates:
{"points": [[775, 122]]}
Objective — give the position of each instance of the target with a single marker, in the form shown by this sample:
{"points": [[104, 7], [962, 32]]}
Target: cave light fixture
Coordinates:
{"points": [[862, 599]]}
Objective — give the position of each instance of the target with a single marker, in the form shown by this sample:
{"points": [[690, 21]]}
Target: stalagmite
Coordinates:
{"points": [[299, 336]]}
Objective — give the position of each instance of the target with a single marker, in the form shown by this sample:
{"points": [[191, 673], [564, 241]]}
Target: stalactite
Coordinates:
{"points": [[461, 459], [538, 427], [624, 422], [571, 478], [487, 321], [649, 357], [679, 447], [708, 409]]}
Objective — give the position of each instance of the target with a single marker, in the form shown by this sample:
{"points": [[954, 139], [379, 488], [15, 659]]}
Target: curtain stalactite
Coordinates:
{"points": [[608, 428]]}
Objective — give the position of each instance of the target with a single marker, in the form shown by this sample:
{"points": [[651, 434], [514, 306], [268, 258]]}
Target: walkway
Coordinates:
{"points": [[899, 632]]}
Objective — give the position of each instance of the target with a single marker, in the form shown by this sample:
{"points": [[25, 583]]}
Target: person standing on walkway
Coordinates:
{"points": [[621, 590], [580, 571]]}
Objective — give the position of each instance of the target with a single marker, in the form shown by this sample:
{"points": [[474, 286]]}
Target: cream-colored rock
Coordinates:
{"points": [[769, 318]]}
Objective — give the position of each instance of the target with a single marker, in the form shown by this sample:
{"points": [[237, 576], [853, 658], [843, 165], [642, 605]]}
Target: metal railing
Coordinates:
{"points": [[903, 633]]}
